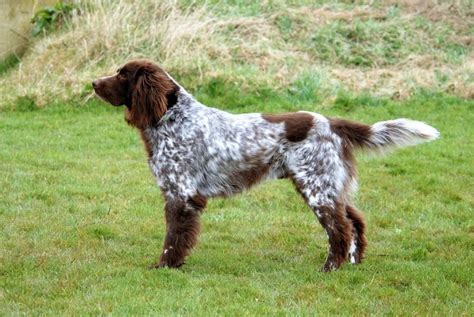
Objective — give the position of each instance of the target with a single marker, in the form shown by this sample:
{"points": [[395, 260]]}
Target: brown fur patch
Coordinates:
{"points": [[353, 133], [146, 143], [198, 202], [247, 178], [150, 92], [358, 223], [183, 227], [297, 124], [143, 87], [339, 230], [252, 176], [349, 160]]}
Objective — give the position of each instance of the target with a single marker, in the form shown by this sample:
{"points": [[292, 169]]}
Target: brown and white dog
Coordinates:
{"points": [[197, 152]]}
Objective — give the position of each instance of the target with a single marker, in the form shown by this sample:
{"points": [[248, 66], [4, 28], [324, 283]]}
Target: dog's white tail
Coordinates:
{"points": [[384, 135]]}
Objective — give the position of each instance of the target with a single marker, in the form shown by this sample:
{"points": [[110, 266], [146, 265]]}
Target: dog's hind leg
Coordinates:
{"points": [[338, 228], [332, 215], [359, 241], [182, 226]]}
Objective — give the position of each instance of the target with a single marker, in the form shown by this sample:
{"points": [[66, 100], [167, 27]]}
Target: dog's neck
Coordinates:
{"points": [[181, 102]]}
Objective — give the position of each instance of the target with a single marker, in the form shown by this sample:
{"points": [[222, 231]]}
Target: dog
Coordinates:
{"points": [[197, 152]]}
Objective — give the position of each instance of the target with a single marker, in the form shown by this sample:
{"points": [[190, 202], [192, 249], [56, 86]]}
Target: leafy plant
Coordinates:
{"points": [[49, 18]]}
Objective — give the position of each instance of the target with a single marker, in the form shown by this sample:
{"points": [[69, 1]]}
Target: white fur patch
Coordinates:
{"points": [[400, 133], [352, 251]]}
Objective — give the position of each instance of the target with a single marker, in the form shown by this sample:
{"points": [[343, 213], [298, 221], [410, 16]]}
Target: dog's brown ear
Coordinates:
{"points": [[149, 94]]}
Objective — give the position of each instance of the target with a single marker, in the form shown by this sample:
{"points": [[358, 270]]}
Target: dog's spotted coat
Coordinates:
{"points": [[197, 152]]}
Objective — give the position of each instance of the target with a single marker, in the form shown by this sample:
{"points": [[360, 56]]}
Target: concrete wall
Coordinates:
{"points": [[15, 25]]}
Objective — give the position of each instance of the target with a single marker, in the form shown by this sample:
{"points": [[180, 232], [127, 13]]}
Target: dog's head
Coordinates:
{"points": [[143, 87]]}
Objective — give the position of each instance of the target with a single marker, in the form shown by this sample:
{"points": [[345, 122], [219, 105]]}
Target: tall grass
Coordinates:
{"points": [[385, 49]]}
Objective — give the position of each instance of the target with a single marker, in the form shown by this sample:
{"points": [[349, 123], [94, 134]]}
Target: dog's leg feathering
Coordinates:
{"points": [[359, 241], [182, 226]]}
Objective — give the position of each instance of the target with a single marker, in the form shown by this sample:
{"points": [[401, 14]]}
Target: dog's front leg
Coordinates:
{"points": [[182, 230]]}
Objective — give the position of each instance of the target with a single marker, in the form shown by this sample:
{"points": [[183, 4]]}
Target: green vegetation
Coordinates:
{"points": [[384, 50], [50, 18], [81, 217], [8, 63], [380, 43]]}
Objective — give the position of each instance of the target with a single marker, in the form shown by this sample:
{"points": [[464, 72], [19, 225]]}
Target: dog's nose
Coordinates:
{"points": [[94, 84]]}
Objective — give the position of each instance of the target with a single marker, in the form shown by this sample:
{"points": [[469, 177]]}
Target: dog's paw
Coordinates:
{"points": [[328, 267], [158, 265], [332, 265], [164, 264]]}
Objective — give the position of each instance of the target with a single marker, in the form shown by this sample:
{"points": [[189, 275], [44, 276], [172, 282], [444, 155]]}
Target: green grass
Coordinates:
{"points": [[8, 63], [81, 218], [364, 42]]}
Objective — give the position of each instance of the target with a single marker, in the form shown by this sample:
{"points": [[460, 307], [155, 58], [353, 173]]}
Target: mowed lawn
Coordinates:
{"points": [[81, 219]]}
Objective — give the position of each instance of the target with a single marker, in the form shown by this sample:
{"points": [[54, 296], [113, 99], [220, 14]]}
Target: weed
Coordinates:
{"points": [[307, 87], [8, 63], [25, 104], [51, 18]]}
